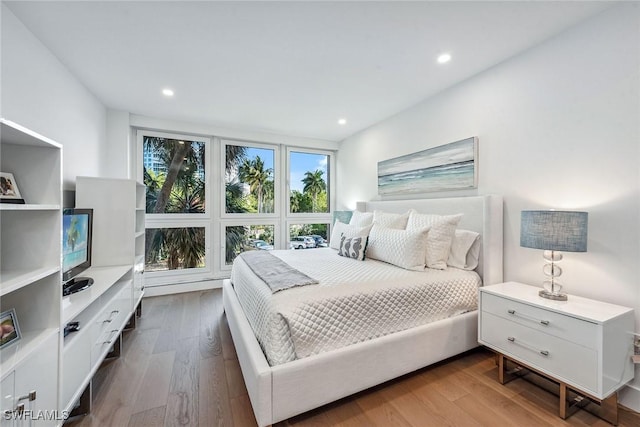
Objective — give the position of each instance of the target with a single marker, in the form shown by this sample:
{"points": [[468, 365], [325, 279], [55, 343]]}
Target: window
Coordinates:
{"points": [[175, 248], [308, 182], [309, 204], [174, 173], [201, 214], [250, 176], [241, 238], [175, 169], [308, 236]]}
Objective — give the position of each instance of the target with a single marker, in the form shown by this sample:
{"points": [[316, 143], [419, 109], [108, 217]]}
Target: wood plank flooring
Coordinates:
{"points": [[179, 368]]}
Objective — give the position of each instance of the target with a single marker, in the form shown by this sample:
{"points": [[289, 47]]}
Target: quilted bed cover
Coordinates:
{"points": [[354, 301]]}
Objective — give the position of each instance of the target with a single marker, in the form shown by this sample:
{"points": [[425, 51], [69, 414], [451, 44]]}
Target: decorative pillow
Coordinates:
{"points": [[361, 219], [465, 250], [391, 220], [342, 216], [403, 248], [442, 230], [353, 247], [340, 229]]}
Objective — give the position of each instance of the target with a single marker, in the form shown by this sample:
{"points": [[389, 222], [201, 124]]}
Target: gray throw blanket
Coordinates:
{"points": [[277, 274]]}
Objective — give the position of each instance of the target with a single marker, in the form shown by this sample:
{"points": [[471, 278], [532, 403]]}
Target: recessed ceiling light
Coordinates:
{"points": [[444, 58], [342, 121], [167, 92]]}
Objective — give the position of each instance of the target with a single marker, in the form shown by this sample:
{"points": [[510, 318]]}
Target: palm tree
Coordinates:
{"points": [[253, 173], [295, 201], [314, 184], [180, 189], [234, 201], [269, 195]]}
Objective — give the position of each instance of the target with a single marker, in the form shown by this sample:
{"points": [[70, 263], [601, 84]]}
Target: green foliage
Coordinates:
{"points": [[252, 172], [314, 184], [178, 188]]}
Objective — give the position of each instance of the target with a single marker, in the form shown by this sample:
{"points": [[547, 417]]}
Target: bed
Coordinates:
{"points": [[289, 387]]}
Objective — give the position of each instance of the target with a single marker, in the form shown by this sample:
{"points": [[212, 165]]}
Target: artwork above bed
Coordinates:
{"points": [[452, 166]]}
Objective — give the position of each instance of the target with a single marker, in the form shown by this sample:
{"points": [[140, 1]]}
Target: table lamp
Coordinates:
{"points": [[554, 231]]}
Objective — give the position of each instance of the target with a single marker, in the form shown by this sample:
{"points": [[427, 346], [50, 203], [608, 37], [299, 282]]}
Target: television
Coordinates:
{"points": [[77, 227]]}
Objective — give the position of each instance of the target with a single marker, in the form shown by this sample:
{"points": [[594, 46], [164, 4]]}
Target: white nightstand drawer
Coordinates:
{"points": [[573, 364], [562, 326]]}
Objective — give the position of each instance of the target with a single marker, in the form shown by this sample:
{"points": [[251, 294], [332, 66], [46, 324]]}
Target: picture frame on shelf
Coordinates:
{"points": [[10, 332], [9, 192]]}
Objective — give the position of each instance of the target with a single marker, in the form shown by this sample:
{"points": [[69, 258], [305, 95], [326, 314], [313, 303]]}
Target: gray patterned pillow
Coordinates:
{"points": [[353, 247]]}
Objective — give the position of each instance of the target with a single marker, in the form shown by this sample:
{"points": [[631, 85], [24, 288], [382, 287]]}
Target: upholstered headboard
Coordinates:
{"points": [[482, 214]]}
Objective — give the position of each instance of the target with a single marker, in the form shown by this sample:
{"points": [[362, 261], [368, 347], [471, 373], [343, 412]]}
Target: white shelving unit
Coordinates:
{"points": [[30, 273], [118, 224], [104, 309], [138, 271]]}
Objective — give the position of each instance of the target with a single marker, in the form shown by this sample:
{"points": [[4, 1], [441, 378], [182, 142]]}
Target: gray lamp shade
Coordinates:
{"points": [[554, 230]]}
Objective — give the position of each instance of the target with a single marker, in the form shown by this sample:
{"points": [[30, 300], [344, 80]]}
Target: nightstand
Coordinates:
{"points": [[583, 346]]}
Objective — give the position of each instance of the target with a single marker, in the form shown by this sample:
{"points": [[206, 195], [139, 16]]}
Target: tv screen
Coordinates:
{"points": [[76, 241]]}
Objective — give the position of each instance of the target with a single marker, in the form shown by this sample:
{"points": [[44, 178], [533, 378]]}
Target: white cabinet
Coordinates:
{"points": [[36, 383], [30, 276], [118, 224], [7, 387], [582, 344], [104, 309]]}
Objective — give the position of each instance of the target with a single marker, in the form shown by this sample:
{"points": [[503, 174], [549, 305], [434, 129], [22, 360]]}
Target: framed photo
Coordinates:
{"points": [[10, 332], [9, 192], [447, 167]]}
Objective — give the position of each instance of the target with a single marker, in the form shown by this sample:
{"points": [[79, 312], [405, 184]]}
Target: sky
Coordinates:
{"points": [[300, 163]]}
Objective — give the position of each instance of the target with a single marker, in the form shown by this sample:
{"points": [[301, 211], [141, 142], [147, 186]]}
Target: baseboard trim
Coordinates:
{"points": [[629, 397], [153, 291]]}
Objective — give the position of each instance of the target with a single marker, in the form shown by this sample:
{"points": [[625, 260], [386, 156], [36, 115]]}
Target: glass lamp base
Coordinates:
{"points": [[556, 296]]}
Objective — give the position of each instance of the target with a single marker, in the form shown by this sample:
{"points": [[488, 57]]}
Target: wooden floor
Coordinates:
{"points": [[179, 368]]}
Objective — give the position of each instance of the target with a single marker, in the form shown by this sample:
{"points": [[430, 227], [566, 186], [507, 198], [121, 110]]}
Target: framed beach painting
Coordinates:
{"points": [[447, 167]]}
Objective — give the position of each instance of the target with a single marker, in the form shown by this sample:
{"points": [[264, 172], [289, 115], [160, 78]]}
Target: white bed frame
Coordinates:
{"points": [[282, 391]]}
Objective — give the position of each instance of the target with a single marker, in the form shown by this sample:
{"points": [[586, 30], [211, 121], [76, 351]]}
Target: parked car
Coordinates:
{"points": [[302, 242], [310, 241], [261, 245], [320, 241]]}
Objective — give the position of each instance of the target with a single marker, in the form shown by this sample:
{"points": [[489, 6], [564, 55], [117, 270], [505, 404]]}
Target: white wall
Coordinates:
{"points": [[38, 92], [558, 127]]}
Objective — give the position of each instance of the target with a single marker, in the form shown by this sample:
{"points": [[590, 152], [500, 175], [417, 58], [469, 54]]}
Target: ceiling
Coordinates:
{"points": [[291, 68]]}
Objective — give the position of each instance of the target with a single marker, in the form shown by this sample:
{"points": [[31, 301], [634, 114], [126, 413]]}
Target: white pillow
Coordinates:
{"points": [[441, 232], [465, 250], [353, 247], [340, 229], [361, 219], [391, 220], [403, 248]]}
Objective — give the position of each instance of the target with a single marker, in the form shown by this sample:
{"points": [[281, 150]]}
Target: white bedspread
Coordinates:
{"points": [[355, 301]]}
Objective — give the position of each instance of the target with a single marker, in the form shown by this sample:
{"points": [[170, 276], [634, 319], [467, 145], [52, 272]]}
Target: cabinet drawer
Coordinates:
{"points": [[562, 326], [571, 363]]}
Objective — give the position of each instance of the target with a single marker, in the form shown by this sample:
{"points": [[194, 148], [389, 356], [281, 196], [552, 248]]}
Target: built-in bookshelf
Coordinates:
{"points": [[30, 273]]}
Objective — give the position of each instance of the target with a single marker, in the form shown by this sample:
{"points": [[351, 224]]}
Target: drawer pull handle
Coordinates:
{"points": [[111, 316], [30, 397], [542, 322], [110, 340], [530, 347]]}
